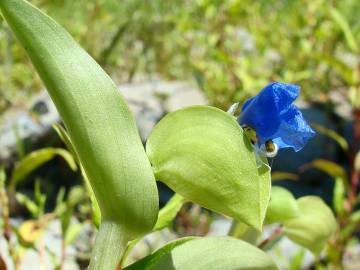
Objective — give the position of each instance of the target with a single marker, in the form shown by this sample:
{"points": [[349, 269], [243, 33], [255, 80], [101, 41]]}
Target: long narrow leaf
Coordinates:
{"points": [[35, 159], [345, 27]]}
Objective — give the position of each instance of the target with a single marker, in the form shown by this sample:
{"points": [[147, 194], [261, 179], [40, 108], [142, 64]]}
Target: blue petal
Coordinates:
{"points": [[273, 116], [294, 131]]}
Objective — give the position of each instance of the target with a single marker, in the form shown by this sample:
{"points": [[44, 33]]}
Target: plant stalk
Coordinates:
{"points": [[354, 177], [242, 231], [273, 236], [110, 246]]}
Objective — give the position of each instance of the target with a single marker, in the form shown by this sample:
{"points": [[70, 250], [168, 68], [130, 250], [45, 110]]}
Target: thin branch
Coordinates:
{"points": [[273, 236]]}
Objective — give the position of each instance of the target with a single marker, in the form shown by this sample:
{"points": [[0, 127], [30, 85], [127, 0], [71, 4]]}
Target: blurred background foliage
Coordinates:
{"points": [[230, 48]]}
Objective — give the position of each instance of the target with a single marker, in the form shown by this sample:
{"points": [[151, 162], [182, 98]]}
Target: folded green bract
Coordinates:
{"points": [[202, 154]]}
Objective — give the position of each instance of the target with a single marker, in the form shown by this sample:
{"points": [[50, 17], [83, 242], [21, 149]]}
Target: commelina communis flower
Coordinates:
{"points": [[275, 119]]}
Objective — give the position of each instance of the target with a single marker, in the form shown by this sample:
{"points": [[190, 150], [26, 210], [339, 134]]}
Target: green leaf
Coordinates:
{"points": [[96, 213], [202, 154], [355, 217], [346, 72], [354, 96], [297, 260], [60, 197], [283, 206], [339, 196], [344, 25], [314, 225], [28, 203], [276, 176], [65, 219], [169, 212], [40, 198], [35, 159], [333, 135], [2, 177], [351, 226], [357, 162], [72, 233], [208, 253], [329, 167], [75, 196], [65, 209], [66, 140], [100, 125], [64, 136], [149, 261]]}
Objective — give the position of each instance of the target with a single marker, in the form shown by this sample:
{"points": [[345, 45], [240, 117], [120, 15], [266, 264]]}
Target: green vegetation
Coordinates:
{"points": [[231, 48]]}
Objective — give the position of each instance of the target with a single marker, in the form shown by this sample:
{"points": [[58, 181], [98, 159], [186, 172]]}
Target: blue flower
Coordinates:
{"points": [[273, 116]]}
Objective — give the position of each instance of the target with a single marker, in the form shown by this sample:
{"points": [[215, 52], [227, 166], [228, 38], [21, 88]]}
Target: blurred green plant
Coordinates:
{"points": [[31, 230], [230, 48]]}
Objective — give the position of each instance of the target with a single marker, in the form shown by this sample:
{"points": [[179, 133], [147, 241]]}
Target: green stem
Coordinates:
{"points": [[110, 245], [242, 231]]}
